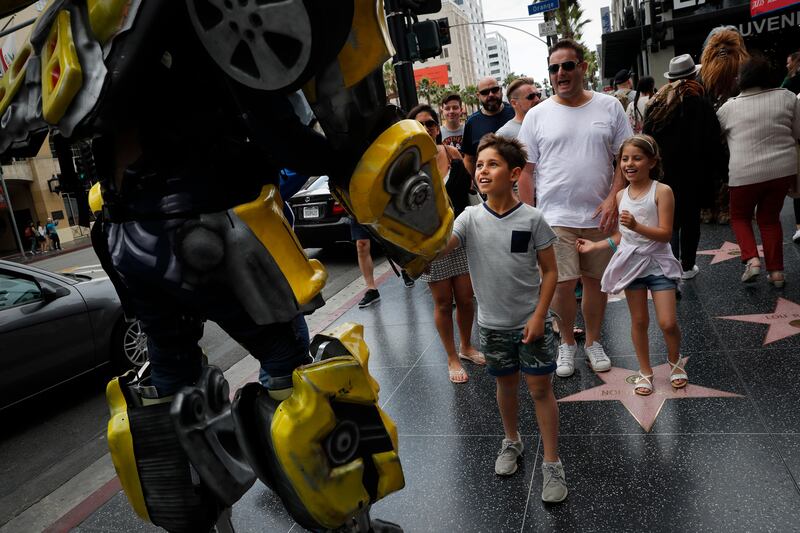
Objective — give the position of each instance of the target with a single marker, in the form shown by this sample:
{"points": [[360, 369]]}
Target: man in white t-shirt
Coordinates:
{"points": [[572, 140]]}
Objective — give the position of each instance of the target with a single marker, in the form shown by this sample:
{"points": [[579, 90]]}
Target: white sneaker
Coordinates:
{"points": [[597, 357], [796, 237], [689, 274], [565, 364]]}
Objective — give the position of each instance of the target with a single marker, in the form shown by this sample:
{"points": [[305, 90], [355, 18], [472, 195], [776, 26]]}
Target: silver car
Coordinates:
{"points": [[56, 327]]}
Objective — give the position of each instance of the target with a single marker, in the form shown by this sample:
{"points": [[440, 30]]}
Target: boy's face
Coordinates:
{"points": [[492, 174]]}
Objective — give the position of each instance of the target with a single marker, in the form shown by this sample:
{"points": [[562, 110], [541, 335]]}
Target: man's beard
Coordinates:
{"points": [[492, 105]]}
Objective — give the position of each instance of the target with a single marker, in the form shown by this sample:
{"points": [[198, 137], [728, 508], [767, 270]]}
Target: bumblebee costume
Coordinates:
{"points": [[186, 103]]}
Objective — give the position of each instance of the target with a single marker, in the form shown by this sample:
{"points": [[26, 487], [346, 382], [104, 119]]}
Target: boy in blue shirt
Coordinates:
{"points": [[505, 240]]}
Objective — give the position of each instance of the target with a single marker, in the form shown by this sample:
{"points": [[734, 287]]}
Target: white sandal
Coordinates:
{"points": [[677, 373], [643, 386]]}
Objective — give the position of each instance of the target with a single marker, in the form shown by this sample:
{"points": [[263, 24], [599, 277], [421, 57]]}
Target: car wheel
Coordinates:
{"points": [[129, 346]]}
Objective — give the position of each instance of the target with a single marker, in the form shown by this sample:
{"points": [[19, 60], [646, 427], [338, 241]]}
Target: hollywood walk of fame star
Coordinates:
{"points": [[728, 250], [783, 322], [618, 385]]}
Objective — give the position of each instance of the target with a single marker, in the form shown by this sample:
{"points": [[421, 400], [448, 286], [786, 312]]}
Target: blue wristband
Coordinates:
{"points": [[611, 244]]}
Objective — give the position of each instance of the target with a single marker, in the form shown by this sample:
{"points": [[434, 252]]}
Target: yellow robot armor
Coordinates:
{"points": [[395, 189], [253, 250], [152, 466], [328, 450]]}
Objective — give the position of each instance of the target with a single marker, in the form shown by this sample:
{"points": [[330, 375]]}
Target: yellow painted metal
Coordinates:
{"points": [[62, 76], [96, 198], [265, 218], [120, 443], [368, 197], [307, 417], [367, 47], [106, 17], [13, 78]]}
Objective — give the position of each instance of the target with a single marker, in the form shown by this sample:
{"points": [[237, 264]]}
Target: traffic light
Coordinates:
{"points": [[85, 163], [422, 7], [658, 31], [426, 35], [444, 31]]}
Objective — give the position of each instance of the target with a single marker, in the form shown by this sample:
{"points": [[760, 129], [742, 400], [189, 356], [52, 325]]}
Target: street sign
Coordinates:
{"points": [[541, 7], [547, 28]]}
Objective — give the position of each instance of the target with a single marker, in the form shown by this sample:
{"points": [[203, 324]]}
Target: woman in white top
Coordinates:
{"points": [[762, 125], [636, 109]]}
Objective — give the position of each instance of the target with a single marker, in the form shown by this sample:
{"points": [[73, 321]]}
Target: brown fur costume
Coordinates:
{"points": [[723, 52]]}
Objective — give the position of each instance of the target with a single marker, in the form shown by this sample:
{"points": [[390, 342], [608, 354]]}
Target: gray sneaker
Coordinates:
{"points": [[554, 484], [597, 357], [506, 463]]}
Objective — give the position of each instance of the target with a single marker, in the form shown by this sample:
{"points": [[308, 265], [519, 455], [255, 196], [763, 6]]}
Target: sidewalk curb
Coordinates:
{"points": [[77, 499]]}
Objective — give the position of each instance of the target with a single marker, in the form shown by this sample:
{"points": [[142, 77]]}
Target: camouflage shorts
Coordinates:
{"points": [[506, 354]]}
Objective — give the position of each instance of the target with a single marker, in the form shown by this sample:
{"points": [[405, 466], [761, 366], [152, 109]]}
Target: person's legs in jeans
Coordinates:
{"points": [[301, 329], [742, 205], [768, 217]]}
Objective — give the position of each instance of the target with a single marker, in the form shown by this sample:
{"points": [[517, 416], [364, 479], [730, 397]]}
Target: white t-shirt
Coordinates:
{"points": [[573, 149]]}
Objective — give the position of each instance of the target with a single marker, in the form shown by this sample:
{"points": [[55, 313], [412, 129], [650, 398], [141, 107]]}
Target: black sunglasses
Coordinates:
{"points": [[533, 95], [429, 123], [492, 90], [568, 66]]}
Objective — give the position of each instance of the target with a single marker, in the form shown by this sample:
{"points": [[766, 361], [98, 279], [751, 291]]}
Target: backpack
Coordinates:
{"points": [[28, 232], [622, 96]]}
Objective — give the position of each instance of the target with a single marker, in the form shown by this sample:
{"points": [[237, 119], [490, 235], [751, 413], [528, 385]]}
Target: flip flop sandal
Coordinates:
{"points": [[477, 359], [643, 386], [454, 374], [677, 373]]}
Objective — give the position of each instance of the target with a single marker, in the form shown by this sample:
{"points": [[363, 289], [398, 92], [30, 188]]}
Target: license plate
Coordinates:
{"points": [[311, 212]]}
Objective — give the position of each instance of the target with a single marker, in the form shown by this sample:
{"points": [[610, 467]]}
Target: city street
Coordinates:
{"points": [[48, 440]]}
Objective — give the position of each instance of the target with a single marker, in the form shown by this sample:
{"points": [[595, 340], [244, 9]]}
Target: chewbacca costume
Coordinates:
{"points": [[723, 52]]}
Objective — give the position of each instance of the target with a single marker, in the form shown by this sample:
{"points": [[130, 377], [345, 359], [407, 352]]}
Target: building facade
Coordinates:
{"points": [[458, 56], [499, 61], [645, 39], [474, 13]]}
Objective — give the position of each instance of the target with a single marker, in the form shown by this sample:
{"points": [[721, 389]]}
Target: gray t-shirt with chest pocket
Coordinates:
{"points": [[501, 252]]}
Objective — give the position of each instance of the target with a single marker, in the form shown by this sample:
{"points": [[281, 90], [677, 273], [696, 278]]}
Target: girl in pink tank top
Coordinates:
{"points": [[643, 258]]}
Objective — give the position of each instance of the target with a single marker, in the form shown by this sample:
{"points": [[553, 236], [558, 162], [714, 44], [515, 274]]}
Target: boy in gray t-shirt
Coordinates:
{"points": [[505, 240]]}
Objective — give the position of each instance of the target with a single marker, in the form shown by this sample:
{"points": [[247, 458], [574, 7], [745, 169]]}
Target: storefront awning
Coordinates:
{"points": [[620, 49]]}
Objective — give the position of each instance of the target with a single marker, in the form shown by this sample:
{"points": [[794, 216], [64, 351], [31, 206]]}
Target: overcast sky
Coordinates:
{"points": [[529, 55]]}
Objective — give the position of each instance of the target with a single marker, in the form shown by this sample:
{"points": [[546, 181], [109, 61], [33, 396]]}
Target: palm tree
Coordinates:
{"points": [[389, 80], [470, 97], [424, 89], [570, 21]]}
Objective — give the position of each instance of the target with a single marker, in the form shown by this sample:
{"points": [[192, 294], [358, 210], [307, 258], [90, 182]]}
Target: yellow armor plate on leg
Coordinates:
{"points": [[304, 424], [120, 443], [264, 216], [106, 17]]}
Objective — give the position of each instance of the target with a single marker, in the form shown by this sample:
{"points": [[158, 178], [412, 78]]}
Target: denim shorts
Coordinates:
{"points": [[654, 283], [357, 232], [506, 354]]}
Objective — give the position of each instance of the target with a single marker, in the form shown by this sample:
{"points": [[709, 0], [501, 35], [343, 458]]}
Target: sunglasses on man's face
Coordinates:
{"points": [[568, 66], [429, 123], [490, 90], [532, 96]]}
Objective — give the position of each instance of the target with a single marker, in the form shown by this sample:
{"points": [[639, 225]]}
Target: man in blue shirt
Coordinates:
{"points": [[491, 116]]}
